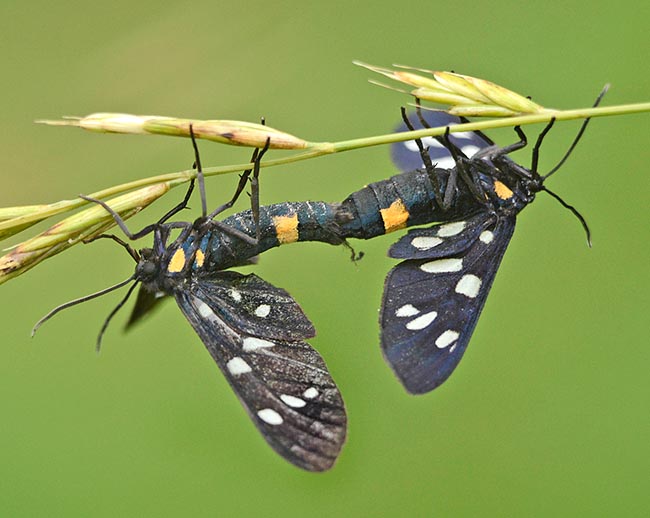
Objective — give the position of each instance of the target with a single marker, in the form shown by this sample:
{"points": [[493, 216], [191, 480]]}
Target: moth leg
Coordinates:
{"points": [[424, 151], [132, 252], [149, 228], [520, 144], [538, 145], [460, 170], [208, 219]]}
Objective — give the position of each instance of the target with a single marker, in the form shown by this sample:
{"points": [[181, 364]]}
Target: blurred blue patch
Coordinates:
{"points": [[406, 156]]}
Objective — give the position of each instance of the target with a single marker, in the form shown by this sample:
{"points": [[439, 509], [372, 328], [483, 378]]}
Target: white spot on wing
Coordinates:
{"points": [[469, 285], [237, 366], [430, 142], [486, 236], [310, 393], [411, 145], [425, 243], [293, 401], [447, 338], [442, 266], [204, 310], [263, 310], [407, 310], [236, 296], [422, 321], [447, 162], [270, 416], [252, 343], [451, 229], [470, 149]]}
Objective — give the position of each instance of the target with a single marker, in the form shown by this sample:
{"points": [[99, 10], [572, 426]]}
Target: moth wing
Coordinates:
{"points": [[255, 307], [283, 384], [441, 240], [430, 306]]}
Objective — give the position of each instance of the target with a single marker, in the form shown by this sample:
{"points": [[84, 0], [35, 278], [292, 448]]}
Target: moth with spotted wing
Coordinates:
{"points": [[254, 331], [433, 299], [256, 334]]}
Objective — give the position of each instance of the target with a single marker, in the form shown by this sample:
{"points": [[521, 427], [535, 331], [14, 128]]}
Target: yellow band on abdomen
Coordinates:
{"points": [[395, 216], [286, 228]]}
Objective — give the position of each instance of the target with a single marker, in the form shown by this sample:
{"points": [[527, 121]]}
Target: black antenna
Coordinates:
{"points": [[79, 301], [110, 316], [575, 212], [563, 160], [578, 136]]}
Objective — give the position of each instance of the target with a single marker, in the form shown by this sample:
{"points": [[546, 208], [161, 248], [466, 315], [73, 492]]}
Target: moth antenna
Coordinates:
{"points": [[575, 213], [578, 136], [112, 314], [79, 301]]}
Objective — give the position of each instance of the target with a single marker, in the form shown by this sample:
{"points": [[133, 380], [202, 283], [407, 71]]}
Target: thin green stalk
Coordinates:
{"points": [[522, 120], [317, 149]]}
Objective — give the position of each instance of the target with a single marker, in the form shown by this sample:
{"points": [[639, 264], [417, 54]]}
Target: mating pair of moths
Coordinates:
{"points": [[432, 300]]}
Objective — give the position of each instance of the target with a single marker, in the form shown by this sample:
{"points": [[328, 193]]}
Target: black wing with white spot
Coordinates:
{"points": [[432, 300], [255, 331], [406, 156], [255, 307]]}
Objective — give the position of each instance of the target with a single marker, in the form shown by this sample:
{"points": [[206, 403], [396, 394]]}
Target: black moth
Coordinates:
{"points": [[254, 331], [433, 299]]}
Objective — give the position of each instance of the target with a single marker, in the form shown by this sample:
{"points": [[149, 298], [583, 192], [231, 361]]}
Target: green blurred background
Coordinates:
{"points": [[547, 415]]}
